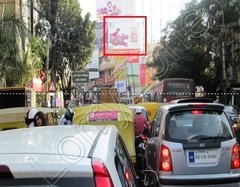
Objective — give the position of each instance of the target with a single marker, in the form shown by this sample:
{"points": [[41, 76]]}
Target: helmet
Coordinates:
{"points": [[30, 115], [138, 111]]}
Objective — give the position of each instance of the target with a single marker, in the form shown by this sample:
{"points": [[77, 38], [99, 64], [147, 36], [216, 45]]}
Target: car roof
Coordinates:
{"points": [[176, 106], [50, 150], [191, 100], [73, 140]]}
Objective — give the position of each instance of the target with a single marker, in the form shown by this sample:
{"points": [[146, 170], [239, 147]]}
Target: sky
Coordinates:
{"points": [[158, 13], [89, 6]]}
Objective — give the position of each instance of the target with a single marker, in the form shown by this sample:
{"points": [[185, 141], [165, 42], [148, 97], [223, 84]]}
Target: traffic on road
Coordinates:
{"points": [[101, 140]]}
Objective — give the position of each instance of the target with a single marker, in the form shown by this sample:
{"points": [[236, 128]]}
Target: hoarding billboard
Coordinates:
{"points": [[114, 8], [124, 35]]}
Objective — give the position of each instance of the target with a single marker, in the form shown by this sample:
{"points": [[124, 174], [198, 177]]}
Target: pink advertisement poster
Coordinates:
{"points": [[114, 8], [103, 116]]}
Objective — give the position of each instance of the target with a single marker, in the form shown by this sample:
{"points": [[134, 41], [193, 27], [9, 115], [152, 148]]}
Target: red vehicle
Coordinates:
{"points": [[173, 88]]}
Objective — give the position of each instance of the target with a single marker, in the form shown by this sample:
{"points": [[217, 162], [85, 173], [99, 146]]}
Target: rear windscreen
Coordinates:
{"points": [[197, 125]]}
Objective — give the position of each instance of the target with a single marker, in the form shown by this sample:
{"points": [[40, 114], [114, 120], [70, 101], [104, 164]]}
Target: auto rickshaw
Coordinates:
{"points": [[13, 118], [116, 114]]}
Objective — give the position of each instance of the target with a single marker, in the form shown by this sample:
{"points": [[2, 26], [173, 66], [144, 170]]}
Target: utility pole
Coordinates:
{"points": [[224, 76], [223, 32], [225, 79], [223, 60], [47, 69], [47, 33]]}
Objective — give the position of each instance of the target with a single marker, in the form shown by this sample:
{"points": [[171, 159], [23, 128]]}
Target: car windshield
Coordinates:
{"points": [[198, 125]]}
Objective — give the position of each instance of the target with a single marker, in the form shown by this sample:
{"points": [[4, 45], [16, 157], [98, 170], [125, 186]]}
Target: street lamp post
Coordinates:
{"points": [[223, 30]]}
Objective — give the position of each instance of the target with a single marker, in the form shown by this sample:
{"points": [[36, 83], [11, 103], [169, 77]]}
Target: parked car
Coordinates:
{"points": [[66, 156], [193, 144]]}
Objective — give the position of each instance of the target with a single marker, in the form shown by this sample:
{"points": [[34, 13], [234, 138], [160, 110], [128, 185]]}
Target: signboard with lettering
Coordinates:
{"points": [[79, 77], [103, 116]]}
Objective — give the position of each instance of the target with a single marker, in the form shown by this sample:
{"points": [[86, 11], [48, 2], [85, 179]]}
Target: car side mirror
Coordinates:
{"points": [[148, 178]]}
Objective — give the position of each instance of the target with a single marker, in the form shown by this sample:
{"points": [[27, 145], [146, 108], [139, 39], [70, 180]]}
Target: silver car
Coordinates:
{"points": [[193, 144], [67, 156]]}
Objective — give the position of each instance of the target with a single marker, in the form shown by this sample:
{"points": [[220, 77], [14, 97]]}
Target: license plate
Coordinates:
{"points": [[202, 156]]}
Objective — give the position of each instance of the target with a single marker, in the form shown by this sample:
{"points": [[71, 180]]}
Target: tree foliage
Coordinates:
{"points": [[190, 42], [71, 39], [13, 33], [34, 58]]}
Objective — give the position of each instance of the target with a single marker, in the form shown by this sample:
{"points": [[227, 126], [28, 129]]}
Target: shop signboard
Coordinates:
{"points": [[80, 77]]}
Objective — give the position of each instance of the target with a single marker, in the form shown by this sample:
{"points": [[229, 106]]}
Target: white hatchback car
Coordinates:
{"points": [[93, 156]]}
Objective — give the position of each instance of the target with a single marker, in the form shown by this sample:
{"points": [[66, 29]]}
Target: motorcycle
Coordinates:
{"points": [[140, 146]]}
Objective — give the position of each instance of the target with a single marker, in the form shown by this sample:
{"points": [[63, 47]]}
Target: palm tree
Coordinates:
{"points": [[13, 34]]}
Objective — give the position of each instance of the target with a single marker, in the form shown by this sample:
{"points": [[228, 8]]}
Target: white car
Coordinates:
{"points": [[68, 156]]}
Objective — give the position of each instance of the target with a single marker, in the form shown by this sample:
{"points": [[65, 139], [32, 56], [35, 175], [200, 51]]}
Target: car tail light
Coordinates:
{"points": [[235, 164], [165, 159], [197, 112], [102, 177], [198, 105]]}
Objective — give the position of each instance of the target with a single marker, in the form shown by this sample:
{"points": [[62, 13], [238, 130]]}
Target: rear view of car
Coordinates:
{"points": [[65, 156], [197, 146]]}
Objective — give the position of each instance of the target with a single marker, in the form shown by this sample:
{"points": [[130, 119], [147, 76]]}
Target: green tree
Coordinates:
{"points": [[13, 34], [190, 40], [35, 58], [71, 37]]}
